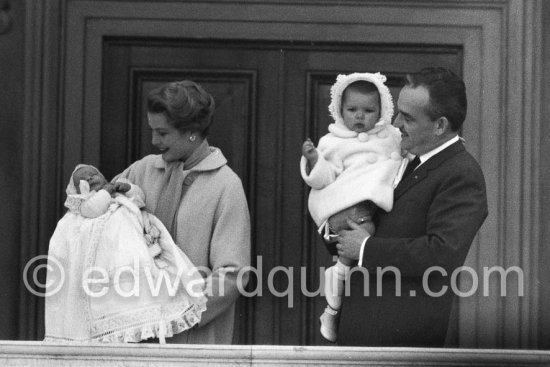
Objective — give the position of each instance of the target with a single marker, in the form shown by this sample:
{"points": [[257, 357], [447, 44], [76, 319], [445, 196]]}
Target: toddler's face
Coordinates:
{"points": [[94, 178], [360, 111]]}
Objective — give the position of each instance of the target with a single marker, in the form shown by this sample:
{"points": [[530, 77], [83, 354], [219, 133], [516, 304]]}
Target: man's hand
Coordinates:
{"points": [[122, 187], [350, 240]]}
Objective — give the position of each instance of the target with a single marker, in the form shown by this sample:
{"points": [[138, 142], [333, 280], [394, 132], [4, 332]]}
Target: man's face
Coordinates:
{"points": [[418, 130]]}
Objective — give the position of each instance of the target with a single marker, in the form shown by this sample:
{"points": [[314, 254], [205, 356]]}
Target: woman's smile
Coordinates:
{"points": [[173, 144]]}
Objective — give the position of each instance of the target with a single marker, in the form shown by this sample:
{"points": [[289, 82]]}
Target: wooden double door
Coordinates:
{"points": [[270, 97]]}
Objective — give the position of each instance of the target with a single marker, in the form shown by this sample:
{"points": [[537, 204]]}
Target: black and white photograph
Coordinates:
{"points": [[274, 182]]}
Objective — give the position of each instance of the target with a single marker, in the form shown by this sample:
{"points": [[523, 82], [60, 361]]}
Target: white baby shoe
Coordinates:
{"points": [[329, 324]]}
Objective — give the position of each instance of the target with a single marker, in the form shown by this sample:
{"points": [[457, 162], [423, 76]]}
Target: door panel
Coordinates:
{"points": [[270, 97]]}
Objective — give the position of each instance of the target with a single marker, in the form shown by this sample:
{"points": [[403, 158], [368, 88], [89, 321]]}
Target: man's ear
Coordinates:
{"points": [[442, 126]]}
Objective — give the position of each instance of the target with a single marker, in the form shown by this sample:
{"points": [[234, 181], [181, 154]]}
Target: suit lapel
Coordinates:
{"points": [[415, 177], [423, 171]]}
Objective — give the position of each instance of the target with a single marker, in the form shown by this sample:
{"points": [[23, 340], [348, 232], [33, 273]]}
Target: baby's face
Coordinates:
{"points": [[94, 178], [360, 111]]}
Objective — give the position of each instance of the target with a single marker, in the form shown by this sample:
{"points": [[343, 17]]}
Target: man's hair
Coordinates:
{"points": [[447, 94]]}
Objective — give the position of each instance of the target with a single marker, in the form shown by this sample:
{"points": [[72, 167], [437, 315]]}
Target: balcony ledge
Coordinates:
{"points": [[17, 353]]}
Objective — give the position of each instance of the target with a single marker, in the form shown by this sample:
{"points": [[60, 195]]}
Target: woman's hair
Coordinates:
{"points": [[447, 94], [186, 105]]}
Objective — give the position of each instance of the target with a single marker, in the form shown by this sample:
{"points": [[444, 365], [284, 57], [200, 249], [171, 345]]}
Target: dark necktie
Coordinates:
{"points": [[411, 166]]}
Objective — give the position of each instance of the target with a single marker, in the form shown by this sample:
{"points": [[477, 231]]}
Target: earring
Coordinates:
{"points": [[192, 138]]}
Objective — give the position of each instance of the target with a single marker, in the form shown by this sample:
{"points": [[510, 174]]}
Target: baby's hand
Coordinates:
{"points": [[122, 187], [109, 187], [310, 152]]}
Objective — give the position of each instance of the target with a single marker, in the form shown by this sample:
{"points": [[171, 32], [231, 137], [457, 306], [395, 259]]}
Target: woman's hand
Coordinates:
{"points": [[122, 187]]}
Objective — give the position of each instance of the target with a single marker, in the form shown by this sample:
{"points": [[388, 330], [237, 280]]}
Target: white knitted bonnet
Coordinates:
{"points": [[342, 82]]}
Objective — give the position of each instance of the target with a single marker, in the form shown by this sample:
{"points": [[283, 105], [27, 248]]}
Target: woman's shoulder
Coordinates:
{"points": [[222, 180], [215, 166], [148, 162], [227, 177], [151, 159]]}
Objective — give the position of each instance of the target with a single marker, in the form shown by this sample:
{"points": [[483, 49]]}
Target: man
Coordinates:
{"points": [[438, 208]]}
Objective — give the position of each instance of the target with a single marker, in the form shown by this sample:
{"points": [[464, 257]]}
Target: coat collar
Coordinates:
{"points": [[212, 161], [422, 171]]}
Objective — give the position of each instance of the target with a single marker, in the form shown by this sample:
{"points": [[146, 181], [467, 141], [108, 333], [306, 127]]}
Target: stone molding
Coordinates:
{"points": [[44, 354]]}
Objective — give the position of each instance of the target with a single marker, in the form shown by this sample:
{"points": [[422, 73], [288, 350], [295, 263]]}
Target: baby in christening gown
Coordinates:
{"points": [[124, 279]]}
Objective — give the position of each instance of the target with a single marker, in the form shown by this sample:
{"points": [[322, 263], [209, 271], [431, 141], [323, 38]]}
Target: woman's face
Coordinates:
{"points": [[173, 144]]}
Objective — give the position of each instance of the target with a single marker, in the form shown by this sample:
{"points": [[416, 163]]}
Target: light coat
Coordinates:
{"points": [[213, 229]]}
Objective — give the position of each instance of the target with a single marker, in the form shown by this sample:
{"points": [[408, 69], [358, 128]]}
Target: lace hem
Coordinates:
{"points": [[140, 325], [162, 327]]}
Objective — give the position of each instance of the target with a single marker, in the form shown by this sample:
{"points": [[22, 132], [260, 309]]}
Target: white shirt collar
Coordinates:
{"points": [[424, 157]]}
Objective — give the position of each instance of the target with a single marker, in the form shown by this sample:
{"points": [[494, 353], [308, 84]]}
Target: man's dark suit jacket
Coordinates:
{"points": [[437, 211]]}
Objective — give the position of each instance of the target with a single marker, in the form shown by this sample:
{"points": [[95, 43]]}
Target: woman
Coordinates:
{"points": [[201, 201]]}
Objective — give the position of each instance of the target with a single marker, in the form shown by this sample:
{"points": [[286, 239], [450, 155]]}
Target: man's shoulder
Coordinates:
{"points": [[455, 156], [463, 158], [456, 164]]}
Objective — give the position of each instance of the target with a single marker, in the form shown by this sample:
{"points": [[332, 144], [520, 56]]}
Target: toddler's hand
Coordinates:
{"points": [[310, 152], [122, 187]]}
